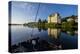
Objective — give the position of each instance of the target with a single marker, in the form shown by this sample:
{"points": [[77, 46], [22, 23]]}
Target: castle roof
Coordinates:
{"points": [[53, 14]]}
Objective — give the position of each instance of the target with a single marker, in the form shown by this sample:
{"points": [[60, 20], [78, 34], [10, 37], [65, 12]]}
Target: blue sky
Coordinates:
{"points": [[22, 12]]}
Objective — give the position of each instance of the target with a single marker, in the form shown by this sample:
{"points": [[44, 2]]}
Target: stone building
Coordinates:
{"points": [[54, 18], [75, 18]]}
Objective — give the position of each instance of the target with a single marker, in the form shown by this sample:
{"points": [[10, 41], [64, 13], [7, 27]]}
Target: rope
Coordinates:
{"points": [[35, 18]]}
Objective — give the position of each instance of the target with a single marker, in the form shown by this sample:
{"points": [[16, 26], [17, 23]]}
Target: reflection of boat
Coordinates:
{"points": [[34, 45], [54, 33]]}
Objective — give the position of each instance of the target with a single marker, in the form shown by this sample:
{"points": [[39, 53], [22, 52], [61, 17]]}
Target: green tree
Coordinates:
{"points": [[39, 21]]}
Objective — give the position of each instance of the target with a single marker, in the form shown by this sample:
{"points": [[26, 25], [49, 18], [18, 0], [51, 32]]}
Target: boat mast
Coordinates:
{"points": [[35, 18]]}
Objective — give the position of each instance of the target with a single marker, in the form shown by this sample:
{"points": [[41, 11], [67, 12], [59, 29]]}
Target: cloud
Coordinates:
{"points": [[23, 12], [19, 4]]}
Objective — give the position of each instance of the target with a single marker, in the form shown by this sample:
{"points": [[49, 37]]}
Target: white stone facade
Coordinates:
{"points": [[54, 18]]}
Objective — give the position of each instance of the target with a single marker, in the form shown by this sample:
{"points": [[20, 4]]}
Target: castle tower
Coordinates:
{"points": [[54, 18]]}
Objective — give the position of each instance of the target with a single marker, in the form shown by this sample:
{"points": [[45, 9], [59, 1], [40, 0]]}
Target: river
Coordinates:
{"points": [[27, 39]]}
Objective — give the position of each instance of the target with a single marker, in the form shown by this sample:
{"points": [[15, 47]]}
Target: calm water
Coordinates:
{"points": [[26, 39]]}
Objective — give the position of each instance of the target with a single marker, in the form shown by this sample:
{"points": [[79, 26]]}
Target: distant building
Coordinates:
{"points": [[70, 19], [54, 18], [75, 18]]}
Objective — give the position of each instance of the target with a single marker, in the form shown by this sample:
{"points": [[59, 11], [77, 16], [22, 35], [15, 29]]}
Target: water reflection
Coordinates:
{"points": [[54, 33], [43, 39], [41, 28], [71, 32]]}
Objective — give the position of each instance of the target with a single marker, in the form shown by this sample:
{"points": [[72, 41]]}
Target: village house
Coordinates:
{"points": [[69, 19], [54, 18], [75, 18]]}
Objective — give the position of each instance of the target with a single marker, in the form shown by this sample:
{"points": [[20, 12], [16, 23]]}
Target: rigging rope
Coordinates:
{"points": [[35, 18]]}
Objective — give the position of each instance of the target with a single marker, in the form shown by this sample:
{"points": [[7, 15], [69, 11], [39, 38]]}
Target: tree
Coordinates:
{"points": [[39, 21], [45, 21]]}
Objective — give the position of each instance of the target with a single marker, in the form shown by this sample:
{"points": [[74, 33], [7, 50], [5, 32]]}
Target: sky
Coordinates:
{"points": [[24, 12]]}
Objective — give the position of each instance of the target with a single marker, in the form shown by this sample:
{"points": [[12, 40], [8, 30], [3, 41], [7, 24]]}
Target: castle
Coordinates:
{"points": [[54, 18]]}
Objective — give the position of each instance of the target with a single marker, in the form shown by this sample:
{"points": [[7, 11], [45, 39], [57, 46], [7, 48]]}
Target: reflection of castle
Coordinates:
{"points": [[54, 33], [54, 18]]}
